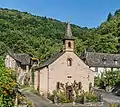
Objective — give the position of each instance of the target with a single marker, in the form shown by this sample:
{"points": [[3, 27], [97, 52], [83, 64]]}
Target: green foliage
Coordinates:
{"points": [[108, 78], [61, 97], [109, 17], [117, 12], [79, 99], [118, 105], [89, 97], [42, 37], [7, 85]]}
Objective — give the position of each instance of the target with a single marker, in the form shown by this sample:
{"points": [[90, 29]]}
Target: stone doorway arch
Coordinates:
{"points": [[69, 92]]}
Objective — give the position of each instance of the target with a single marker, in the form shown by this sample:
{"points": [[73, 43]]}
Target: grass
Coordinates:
{"points": [[30, 89]]}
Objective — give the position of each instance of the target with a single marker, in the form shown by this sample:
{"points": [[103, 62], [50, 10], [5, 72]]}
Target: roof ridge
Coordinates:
{"points": [[51, 59], [103, 53]]}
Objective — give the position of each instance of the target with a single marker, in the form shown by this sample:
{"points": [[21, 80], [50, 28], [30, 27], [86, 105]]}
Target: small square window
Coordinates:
{"points": [[116, 61], [69, 76], [104, 60]]}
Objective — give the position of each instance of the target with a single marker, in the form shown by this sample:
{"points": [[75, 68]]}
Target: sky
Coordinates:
{"points": [[84, 13]]}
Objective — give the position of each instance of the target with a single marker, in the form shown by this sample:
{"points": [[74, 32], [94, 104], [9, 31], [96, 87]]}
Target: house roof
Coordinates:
{"points": [[50, 60], [24, 59], [93, 59]]}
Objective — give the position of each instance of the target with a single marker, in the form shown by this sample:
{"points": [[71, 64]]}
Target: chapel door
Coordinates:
{"points": [[69, 92]]}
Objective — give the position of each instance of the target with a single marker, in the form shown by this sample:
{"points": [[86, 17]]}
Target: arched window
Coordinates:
{"points": [[69, 62], [69, 44]]}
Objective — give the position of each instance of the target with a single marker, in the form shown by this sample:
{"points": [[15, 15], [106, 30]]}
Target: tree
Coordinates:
{"points": [[7, 85], [109, 17], [107, 44], [117, 12], [42, 36], [108, 79]]}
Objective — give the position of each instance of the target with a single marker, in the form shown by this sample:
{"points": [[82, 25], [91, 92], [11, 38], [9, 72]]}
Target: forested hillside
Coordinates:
{"points": [[42, 37]]}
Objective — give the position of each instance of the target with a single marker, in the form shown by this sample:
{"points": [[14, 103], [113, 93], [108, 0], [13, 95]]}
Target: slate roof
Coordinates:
{"points": [[93, 59], [50, 60], [24, 59]]}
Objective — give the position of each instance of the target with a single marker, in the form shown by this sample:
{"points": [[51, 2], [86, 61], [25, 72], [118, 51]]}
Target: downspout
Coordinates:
{"points": [[38, 87], [48, 80]]}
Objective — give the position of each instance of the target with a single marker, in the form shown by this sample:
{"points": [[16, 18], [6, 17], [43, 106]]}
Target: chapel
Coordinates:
{"points": [[65, 68]]}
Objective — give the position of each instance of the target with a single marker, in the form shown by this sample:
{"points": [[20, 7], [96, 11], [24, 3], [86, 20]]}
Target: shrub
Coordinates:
{"points": [[61, 97], [7, 86], [108, 79], [79, 99], [118, 105], [91, 97]]}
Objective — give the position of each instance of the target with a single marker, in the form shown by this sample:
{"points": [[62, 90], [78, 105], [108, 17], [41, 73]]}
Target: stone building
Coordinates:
{"points": [[100, 62], [64, 67], [21, 64]]}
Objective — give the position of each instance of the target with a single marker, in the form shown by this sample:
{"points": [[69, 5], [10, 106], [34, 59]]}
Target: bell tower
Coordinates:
{"points": [[68, 41]]}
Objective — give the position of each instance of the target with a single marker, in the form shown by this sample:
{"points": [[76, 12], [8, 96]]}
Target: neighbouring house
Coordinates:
{"points": [[21, 63], [100, 62], [64, 67]]}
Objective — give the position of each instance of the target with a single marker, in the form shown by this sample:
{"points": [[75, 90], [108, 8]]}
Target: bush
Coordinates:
{"points": [[91, 97], [118, 105], [79, 99], [7, 86], [108, 79], [61, 97]]}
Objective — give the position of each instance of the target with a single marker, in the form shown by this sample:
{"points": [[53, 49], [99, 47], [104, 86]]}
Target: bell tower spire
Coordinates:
{"points": [[68, 40], [68, 31]]}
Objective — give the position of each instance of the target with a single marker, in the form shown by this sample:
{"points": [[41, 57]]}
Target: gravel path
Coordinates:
{"points": [[42, 102], [38, 101], [108, 97]]}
